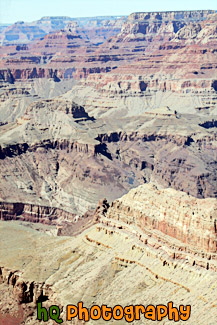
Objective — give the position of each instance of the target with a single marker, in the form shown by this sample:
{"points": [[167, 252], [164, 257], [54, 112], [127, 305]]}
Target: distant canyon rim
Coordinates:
{"points": [[108, 163]]}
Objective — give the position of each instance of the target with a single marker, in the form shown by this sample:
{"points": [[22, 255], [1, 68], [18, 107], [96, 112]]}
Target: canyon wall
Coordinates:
{"points": [[33, 213], [175, 214]]}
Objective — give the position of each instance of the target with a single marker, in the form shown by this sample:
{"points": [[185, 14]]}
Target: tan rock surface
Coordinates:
{"points": [[156, 245], [174, 213], [41, 151], [103, 265]]}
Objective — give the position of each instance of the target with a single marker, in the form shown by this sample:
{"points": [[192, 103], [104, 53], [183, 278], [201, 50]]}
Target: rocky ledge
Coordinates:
{"points": [[150, 239], [174, 213]]}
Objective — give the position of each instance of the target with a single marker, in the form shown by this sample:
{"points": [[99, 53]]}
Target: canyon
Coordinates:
{"points": [[24, 33], [108, 158]]}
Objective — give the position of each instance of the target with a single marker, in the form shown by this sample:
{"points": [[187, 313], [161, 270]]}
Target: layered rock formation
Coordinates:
{"points": [[41, 163], [154, 57], [41, 151], [149, 39], [31, 213], [23, 33], [61, 41], [175, 214], [150, 239]]}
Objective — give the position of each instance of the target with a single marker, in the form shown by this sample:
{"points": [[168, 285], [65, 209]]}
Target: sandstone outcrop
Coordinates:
{"points": [[175, 214], [150, 239], [34, 213]]}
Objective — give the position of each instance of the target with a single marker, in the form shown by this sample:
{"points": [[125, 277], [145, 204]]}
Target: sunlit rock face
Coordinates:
{"points": [[150, 239]]}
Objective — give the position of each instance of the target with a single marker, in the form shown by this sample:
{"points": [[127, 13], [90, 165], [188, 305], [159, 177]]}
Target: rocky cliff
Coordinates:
{"points": [[163, 236], [23, 33], [67, 153], [33, 213], [156, 58], [175, 214], [142, 33]]}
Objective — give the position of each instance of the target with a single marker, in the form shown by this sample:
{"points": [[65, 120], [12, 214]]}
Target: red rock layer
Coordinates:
{"points": [[33, 213], [174, 213], [163, 44]]}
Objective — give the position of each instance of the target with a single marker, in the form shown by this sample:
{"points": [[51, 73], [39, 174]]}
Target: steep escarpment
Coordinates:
{"points": [[33, 213], [25, 289], [161, 235], [98, 28], [24, 294], [59, 155], [150, 59], [146, 39], [52, 175], [65, 47], [175, 214]]}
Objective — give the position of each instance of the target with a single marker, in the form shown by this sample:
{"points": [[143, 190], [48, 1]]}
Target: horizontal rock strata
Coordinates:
{"points": [[175, 214]]}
